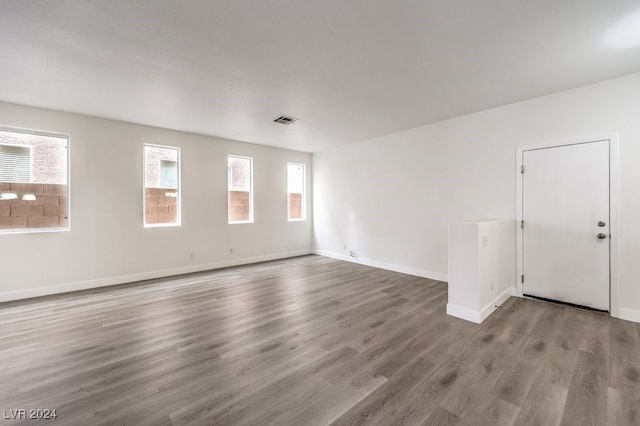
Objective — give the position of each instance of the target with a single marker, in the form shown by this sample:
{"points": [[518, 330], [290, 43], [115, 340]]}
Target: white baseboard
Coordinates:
{"points": [[388, 266], [628, 314], [463, 313], [498, 301], [123, 279], [481, 315]]}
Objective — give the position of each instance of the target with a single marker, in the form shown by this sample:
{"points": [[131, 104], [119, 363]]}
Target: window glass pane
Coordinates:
{"points": [[240, 197], [33, 182], [168, 174], [161, 185], [295, 191]]}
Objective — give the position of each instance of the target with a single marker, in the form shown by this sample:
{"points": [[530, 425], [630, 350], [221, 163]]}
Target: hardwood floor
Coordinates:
{"points": [[314, 341]]}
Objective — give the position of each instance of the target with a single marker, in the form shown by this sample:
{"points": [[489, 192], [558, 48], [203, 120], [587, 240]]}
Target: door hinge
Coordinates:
{"points": [[522, 224], [522, 278], [522, 169]]}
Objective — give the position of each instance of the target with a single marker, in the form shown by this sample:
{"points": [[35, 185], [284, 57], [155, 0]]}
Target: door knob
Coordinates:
{"points": [[602, 236], [601, 224]]}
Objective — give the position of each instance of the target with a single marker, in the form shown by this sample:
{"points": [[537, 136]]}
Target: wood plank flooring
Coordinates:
{"points": [[311, 341]]}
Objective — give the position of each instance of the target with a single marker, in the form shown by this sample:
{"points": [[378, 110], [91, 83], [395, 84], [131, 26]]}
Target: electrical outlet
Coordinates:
{"points": [[230, 251], [192, 255], [491, 285]]}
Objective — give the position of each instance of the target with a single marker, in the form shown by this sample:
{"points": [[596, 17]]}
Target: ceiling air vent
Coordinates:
{"points": [[283, 119]]}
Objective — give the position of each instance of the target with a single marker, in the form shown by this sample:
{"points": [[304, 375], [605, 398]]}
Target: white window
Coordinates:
{"points": [[34, 186], [296, 191], [161, 186], [240, 189]]}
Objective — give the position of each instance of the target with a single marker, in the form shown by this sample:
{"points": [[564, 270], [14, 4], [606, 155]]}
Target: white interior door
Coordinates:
{"points": [[565, 196]]}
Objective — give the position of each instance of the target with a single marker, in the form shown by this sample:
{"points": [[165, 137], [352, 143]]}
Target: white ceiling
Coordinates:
{"points": [[349, 69]]}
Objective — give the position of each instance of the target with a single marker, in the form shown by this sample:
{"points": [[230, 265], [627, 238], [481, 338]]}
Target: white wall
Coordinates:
{"points": [[391, 198], [108, 244]]}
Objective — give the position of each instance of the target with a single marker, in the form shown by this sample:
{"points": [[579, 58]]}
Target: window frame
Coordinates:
{"points": [[304, 193], [178, 222], [51, 134], [229, 179]]}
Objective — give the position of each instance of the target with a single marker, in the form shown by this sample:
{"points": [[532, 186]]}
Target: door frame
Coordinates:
{"points": [[613, 213]]}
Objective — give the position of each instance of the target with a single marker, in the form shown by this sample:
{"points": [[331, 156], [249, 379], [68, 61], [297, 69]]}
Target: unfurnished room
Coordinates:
{"points": [[287, 212]]}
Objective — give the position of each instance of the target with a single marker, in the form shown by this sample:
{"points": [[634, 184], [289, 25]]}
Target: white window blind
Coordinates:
{"points": [[15, 163]]}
